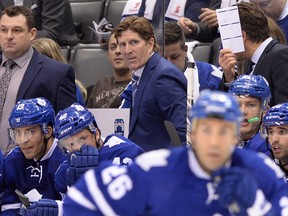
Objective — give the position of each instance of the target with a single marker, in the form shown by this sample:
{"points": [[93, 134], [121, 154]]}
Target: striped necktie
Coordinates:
{"points": [[4, 83], [135, 80]]}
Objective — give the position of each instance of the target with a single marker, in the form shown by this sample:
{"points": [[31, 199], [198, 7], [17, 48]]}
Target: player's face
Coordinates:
{"points": [[176, 54], [271, 8], [252, 110], [278, 139], [74, 143], [30, 140], [115, 56], [134, 49], [15, 38], [213, 141]]}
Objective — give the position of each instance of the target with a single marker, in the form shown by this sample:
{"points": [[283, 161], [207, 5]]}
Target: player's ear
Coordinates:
{"points": [[49, 132]]}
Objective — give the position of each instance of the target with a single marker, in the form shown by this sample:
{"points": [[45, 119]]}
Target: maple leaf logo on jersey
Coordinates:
{"points": [[36, 172]]}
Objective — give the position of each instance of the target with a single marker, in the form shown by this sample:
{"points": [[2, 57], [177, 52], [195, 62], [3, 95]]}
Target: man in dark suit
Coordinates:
{"points": [[161, 93], [53, 18], [268, 57], [33, 74]]}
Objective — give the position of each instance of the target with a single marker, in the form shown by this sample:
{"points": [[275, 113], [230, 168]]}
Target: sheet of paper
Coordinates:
{"points": [[230, 29]]}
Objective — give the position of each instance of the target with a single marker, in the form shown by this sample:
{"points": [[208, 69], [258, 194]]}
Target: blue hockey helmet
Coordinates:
{"points": [[252, 85], [72, 120], [217, 104], [276, 115], [32, 112]]}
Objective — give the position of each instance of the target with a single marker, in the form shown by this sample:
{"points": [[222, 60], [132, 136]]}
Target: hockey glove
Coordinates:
{"points": [[238, 191], [44, 207], [81, 161]]}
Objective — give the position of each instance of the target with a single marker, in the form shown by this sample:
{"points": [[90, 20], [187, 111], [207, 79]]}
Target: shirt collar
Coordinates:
{"points": [[139, 71], [260, 50], [21, 61], [284, 12]]}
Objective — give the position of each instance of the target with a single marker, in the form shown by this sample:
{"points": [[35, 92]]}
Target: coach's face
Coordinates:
{"points": [[15, 37], [135, 50]]}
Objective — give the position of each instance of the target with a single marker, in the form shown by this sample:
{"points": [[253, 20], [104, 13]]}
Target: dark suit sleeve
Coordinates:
{"points": [[171, 97], [207, 34], [278, 78], [51, 16], [66, 94], [193, 8], [215, 4]]}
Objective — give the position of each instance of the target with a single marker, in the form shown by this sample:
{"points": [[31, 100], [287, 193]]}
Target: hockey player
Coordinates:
{"points": [[30, 167], [210, 178], [276, 124], [76, 128], [253, 94], [79, 136]]}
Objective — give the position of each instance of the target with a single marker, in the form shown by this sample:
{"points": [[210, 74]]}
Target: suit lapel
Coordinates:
{"points": [[33, 69], [148, 70], [257, 70]]}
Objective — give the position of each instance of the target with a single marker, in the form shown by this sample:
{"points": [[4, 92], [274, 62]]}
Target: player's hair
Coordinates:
{"points": [[174, 34]]}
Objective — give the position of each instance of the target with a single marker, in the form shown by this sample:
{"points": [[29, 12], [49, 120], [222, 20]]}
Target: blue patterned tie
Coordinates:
{"points": [[135, 79], [4, 83]]}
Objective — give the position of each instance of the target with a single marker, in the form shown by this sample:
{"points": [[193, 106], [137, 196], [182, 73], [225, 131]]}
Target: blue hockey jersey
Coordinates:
{"points": [[35, 180], [116, 148], [165, 182], [257, 144]]}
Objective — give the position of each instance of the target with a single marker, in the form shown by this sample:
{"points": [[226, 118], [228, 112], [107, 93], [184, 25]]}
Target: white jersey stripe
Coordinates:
{"points": [[79, 198], [11, 206], [97, 195]]}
